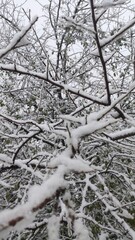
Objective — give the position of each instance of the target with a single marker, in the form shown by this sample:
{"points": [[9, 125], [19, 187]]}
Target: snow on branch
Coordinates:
{"points": [[19, 217], [53, 228], [111, 209], [95, 121], [109, 3], [21, 122], [38, 196], [90, 128], [81, 230], [118, 34], [100, 114], [122, 134], [18, 69], [79, 26], [6, 161], [75, 164], [19, 39]]}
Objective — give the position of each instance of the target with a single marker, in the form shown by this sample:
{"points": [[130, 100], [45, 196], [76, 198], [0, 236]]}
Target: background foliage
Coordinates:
{"points": [[67, 121]]}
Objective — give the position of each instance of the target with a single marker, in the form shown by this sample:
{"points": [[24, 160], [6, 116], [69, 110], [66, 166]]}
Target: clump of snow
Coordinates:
{"points": [[4, 184], [15, 219], [74, 164], [39, 193], [103, 236], [5, 158], [132, 86], [81, 232], [22, 215], [126, 214], [53, 228]]}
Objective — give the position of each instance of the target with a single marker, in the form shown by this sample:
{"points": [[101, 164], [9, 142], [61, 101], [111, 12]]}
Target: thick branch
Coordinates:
{"points": [[37, 200]]}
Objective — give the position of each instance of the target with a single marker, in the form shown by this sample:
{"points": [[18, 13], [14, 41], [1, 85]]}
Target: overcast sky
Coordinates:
{"points": [[35, 7]]}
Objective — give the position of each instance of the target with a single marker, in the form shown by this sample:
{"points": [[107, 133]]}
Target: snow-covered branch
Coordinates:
{"points": [[19, 39], [109, 3], [79, 92], [19, 217]]}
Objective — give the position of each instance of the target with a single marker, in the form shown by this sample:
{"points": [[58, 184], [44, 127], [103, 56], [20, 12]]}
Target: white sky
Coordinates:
{"points": [[31, 4], [36, 8]]}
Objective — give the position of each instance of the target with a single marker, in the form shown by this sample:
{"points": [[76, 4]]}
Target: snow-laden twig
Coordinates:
{"points": [[109, 3], [122, 133], [19, 39], [118, 34], [74, 164]]}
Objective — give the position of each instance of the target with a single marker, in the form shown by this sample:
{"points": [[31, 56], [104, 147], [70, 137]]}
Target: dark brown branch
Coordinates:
{"points": [[100, 52], [80, 93], [22, 144], [118, 34]]}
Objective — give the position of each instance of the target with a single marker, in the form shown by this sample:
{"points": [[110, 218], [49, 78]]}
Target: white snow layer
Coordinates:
{"points": [[19, 217], [80, 230], [109, 3], [74, 164], [19, 39], [53, 228], [122, 133]]}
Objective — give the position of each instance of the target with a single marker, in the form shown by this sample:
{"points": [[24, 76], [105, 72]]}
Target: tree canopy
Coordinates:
{"points": [[67, 124]]}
